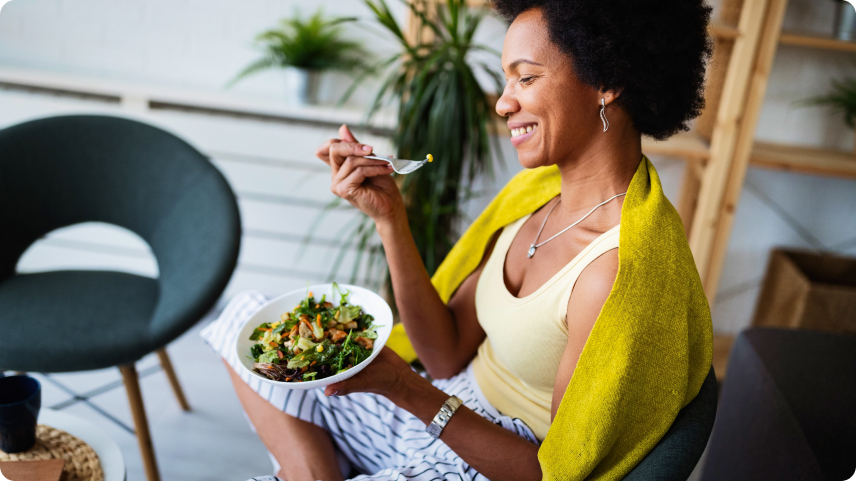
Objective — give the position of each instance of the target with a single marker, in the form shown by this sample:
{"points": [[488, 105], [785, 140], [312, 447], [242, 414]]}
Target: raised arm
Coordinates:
{"points": [[445, 337]]}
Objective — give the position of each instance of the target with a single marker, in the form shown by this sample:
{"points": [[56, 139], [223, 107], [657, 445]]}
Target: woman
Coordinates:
{"points": [[584, 81]]}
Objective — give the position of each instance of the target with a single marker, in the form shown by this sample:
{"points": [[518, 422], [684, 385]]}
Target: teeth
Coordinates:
{"points": [[523, 130]]}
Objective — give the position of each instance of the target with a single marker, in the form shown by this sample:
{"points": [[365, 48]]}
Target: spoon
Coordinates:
{"points": [[403, 166]]}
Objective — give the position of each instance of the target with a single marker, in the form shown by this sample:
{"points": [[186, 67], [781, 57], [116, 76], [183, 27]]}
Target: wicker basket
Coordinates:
{"points": [[81, 462]]}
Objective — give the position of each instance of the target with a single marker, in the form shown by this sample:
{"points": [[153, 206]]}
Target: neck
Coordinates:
{"points": [[602, 169]]}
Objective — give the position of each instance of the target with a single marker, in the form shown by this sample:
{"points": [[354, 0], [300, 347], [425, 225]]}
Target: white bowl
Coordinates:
{"points": [[371, 303]]}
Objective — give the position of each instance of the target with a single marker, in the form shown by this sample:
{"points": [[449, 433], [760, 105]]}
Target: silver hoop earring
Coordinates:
{"points": [[603, 115]]}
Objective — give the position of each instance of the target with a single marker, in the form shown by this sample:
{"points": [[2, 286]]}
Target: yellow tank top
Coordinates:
{"points": [[516, 368]]}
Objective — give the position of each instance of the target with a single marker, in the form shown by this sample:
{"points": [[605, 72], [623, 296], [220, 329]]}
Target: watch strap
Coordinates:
{"points": [[442, 418]]}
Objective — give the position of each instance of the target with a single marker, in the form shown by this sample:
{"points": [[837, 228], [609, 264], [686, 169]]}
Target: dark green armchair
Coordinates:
{"points": [[678, 452], [61, 171]]}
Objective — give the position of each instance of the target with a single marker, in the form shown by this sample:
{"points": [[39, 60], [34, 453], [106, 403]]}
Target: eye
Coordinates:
{"points": [[526, 80]]}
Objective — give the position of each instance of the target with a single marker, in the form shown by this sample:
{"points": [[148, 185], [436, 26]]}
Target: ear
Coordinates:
{"points": [[609, 96]]}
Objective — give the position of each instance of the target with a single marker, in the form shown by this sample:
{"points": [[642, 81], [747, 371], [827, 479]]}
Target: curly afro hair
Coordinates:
{"points": [[653, 51]]}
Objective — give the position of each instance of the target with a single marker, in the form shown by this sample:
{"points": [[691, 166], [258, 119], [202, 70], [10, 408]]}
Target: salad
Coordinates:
{"points": [[314, 341]]}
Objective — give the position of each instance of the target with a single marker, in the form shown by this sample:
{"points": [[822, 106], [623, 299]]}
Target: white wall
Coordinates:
{"points": [[196, 44], [200, 44]]}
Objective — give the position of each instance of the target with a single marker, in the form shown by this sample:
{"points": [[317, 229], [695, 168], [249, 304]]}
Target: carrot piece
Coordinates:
{"points": [[313, 363], [265, 329], [310, 293], [288, 379], [318, 321], [272, 344], [303, 369]]}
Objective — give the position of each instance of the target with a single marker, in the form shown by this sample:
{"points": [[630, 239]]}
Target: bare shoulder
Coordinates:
{"points": [[591, 290]]}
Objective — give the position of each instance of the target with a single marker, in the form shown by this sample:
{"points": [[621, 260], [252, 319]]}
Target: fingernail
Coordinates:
{"points": [[334, 393], [367, 148]]}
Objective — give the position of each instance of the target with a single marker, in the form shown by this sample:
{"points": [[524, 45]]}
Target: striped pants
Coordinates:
{"points": [[371, 434]]}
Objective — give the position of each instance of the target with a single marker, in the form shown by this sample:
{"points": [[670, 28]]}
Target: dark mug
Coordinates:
{"points": [[20, 400]]}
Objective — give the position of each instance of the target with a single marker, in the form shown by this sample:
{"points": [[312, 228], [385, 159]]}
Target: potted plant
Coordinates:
{"points": [[441, 109], [304, 49], [842, 98]]}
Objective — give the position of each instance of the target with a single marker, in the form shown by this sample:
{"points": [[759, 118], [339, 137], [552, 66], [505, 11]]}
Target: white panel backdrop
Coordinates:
{"points": [[198, 45]]}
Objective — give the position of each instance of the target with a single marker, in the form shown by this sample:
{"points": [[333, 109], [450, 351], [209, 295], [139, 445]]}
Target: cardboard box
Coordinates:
{"points": [[807, 290]]}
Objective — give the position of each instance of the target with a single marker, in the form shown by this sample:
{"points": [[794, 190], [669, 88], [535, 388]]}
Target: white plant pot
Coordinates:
{"points": [[301, 85], [845, 21]]}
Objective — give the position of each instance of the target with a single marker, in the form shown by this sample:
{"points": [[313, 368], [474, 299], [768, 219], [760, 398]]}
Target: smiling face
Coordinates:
{"points": [[552, 115]]}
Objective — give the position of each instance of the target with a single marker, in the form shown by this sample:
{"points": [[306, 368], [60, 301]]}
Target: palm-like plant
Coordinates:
{"points": [[311, 44], [842, 98], [442, 110]]}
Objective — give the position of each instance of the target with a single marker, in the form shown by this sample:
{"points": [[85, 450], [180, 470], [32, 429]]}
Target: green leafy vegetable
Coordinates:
{"points": [[349, 313], [277, 349], [269, 357], [259, 332]]}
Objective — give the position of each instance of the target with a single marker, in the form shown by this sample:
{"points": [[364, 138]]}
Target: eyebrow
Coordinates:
{"points": [[513, 65]]}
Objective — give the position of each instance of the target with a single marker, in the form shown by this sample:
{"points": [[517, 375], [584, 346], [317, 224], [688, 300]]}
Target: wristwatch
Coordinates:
{"points": [[439, 422]]}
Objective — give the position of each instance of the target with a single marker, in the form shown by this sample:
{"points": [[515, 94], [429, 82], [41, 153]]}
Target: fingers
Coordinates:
{"points": [[336, 389], [357, 383], [346, 135], [340, 151], [352, 163], [323, 152], [347, 187]]}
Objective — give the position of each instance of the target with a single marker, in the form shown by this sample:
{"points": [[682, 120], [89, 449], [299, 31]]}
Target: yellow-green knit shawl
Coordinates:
{"points": [[650, 348]]}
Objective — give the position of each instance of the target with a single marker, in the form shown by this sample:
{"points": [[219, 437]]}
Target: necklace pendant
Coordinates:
{"points": [[531, 251]]}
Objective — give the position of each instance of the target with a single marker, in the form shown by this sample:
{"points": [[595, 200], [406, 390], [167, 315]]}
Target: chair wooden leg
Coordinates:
{"points": [[173, 380], [135, 398]]}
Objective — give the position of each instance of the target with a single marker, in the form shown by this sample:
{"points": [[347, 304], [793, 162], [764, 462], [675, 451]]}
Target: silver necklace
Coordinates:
{"points": [[535, 246]]}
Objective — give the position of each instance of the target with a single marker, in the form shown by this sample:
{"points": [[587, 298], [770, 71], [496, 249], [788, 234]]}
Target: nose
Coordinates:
{"points": [[507, 104]]}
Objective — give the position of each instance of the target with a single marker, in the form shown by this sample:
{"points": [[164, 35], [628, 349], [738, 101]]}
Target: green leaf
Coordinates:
{"points": [[368, 334], [442, 109], [328, 355], [842, 98], [348, 313], [269, 357], [258, 333], [315, 43]]}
